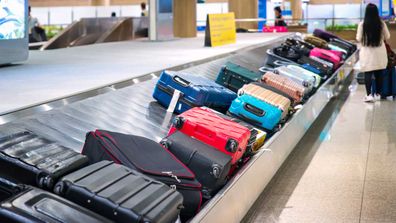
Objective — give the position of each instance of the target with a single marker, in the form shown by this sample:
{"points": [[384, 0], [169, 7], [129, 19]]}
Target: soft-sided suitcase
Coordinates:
{"points": [[389, 83], [262, 92], [272, 59], [210, 166], [23, 204], [315, 66], [327, 55], [121, 194], [301, 78], [223, 134], [288, 86], [318, 42], [30, 159], [295, 41], [275, 29], [149, 158], [256, 112], [234, 76], [195, 91], [324, 34], [318, 78], [287, 52]]}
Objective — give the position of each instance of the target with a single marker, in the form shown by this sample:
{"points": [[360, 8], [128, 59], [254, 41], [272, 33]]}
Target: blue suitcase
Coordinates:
{"points": [[195, 91], [256, 112]]}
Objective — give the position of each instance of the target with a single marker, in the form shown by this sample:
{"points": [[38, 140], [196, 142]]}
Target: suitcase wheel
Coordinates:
{"points": [[232, 145], [178, 122], [45, 181], [59, 188], [216, 171], [240, 92], [165, 143]]}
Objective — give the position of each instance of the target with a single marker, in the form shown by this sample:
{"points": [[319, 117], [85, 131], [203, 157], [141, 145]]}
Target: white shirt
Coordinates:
{"points": [[373, 58]]}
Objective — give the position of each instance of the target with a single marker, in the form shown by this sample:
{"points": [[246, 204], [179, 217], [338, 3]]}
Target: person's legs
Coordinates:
{"points": [[368, 79], [378, 81]]}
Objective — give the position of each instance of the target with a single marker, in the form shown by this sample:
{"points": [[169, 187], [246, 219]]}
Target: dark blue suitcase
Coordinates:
{"points": [[388, 83], [256, 112], [195, 91]]}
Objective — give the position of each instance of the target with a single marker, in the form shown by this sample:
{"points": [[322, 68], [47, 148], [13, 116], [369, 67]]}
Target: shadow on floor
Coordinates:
{"points": [[307, 148]]}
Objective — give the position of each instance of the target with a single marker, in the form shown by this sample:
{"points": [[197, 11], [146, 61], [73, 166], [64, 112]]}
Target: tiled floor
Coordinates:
{"points": [[343, 170]]}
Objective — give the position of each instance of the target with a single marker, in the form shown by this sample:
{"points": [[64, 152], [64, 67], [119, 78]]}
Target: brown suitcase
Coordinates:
{"points": [[316, 41], [268, 96], [284, 84]]}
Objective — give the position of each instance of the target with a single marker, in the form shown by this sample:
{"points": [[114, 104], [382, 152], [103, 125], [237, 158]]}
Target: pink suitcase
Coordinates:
{"points": [[275, 29], [327, 55]]}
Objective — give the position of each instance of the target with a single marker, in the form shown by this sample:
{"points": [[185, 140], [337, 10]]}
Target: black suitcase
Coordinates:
{"points": [[149, 158], [23, 204], [343, 44], [325, 71], [29, 159], [210, 166], [121, 194]]}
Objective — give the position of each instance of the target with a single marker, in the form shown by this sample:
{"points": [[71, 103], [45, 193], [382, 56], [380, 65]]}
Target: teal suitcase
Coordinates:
{"points": [[233, 76]]}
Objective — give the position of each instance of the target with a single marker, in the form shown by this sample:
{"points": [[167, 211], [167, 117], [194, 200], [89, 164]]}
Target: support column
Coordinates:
{"points": [[185, 18], [153, 20], [244, 9], [296, 7]]}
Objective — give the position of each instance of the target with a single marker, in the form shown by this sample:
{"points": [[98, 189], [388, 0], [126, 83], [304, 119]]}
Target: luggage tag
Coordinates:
{"points": [[174, 100]]}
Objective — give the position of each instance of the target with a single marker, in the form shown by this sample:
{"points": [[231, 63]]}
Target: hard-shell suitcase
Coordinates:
{"points": [[272, 58], [288, 86], [256, 112], [324, 34], [388, 82], [23, 204], [301, 78], [318, 78], [318, 42], [121, 194], [339, 49], [195, 91], [149, 158], [266, 95], [348, 46], [315, 66], [298, 42], [30, 159], [234, 76], [327, 55], [287, 52], [322, 61], [210, 166], [205, 125]]}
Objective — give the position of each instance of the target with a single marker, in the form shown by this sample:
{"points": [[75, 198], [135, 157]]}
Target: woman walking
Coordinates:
{"points": [[371, 34]]}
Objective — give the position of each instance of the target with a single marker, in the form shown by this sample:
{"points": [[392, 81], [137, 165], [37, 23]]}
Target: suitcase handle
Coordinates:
{"points": [[181, 81], [254, 110]]}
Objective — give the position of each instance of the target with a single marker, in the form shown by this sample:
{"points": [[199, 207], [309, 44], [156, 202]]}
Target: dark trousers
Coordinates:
{"points": [[368, 78]]}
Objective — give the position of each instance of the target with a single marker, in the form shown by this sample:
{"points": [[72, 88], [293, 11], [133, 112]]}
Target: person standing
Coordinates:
{"points": [[143, 6], [371, 34], [278, 17]]}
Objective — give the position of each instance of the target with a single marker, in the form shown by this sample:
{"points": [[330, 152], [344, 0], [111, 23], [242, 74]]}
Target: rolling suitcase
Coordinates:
{"points": [[210, 166], [288, 86], [121, 194], [287, 52], [324, 34], [349, 47], [297, 42], [256, 112], [262, 92], [23, 204], [147, 157], [314, 66], [339, 49], [223, 134], [327, 55], [195, 91], [318, 78], [30, 159], [322, 61], [388, 83], [317, 42], [301, 78], [272, 59], [234, 77]]}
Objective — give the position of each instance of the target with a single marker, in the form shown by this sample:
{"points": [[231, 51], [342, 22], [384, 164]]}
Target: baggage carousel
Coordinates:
{"points": [[128, 107]]}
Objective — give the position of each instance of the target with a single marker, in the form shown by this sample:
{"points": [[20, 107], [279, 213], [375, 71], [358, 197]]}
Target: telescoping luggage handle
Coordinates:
{"points": [[254, 110], [181, 81]]}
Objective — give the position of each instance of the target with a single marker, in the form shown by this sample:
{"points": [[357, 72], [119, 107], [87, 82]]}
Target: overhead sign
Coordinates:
{"points": [[220, 29]]}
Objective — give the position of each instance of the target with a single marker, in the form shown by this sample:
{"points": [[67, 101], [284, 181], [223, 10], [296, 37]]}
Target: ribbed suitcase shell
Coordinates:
{"points": [[210, 166], [234, 76], [322, 61], [318, 78], [121, 194], [268, 96], [30, 159], [225, 135], [196, 91], [316, 41], [327, 55], [27, 204], [293, 89], [303, 79], [256, 112]]}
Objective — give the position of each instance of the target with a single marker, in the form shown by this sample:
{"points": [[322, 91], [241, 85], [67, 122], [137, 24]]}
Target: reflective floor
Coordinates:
{"points": [[343, 170]]}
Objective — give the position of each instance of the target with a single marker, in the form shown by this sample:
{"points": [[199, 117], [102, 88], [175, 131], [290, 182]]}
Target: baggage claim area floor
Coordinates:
{"points": [[342, 169]]}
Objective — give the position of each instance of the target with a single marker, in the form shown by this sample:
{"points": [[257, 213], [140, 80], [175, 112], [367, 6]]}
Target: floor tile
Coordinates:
{"points": [[382, 210]]}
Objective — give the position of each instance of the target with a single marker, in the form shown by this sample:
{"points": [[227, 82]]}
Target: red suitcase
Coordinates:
{"points": [[205, 125]]}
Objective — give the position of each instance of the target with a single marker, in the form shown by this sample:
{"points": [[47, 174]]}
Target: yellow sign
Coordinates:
{"points": [[220, 29]]}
